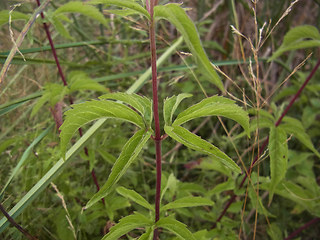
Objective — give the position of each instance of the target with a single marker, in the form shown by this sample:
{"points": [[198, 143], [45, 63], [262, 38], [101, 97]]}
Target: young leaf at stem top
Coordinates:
{"points": [[178, 17], [170, 106]]}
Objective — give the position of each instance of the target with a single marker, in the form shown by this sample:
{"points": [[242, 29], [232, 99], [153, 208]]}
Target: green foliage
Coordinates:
{"points": [[300, 37], [84, 113], [177, 16], [15, 15], [134, 196], [278, 149], [107, 56], [129, 153], [170, 106], [175, 227], [142, 104], [132, 5], [80, 7], [187, 202], [195, 142], [127, 224], [215, 106]]}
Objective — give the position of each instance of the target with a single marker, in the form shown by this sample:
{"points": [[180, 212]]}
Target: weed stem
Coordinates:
{"points": [[295, 97], [157, 138]]}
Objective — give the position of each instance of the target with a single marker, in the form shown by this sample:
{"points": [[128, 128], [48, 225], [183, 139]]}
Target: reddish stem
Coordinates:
{"points": [[54, 53], [157, 137], [295, 97], [305, 226], [16, 225]]}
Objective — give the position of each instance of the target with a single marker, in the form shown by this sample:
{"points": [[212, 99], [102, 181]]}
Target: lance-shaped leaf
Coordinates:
{"points": [[178, 17], [195, 142], [81, 81], [295, 127], [126, 224], [129, 153], [142, 104], [148, 235], [215, 106], [134, 196], [88, 111], [80, 7], [187, 202], [176, 227], [278, 149], [170, 106], [126, 4], [300, 37], [15, 15]]}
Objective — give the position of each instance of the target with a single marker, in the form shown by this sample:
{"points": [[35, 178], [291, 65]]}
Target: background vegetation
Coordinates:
{"points": [[112, 54]]}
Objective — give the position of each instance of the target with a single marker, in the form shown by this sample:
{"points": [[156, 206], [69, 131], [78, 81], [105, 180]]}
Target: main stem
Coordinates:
{"points": [[157, 137]]}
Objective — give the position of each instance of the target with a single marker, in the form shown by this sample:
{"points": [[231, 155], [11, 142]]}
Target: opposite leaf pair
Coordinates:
{"points": [[141, 116]]}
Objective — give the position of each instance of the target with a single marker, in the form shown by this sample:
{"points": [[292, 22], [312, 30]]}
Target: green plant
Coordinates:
{"points": [[198, 192]]}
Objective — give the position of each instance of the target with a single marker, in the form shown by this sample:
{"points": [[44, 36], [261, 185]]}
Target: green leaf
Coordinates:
{"points": [[81, 81], [124, 3], [295, 127], [278, 149], [221, 187], [127, 224], [147, 235], [210, 163], [178, 17], [59, 26], [257, 202], [59, 166], [215, 106], [170, 184], [86, 112], [300, 37], [129, 153], [170, 106], [24, 157], [122, 12], [257, 123], [195, 142], [53, 93], [142, 104], [134, 196], [15, 15], [187, 202], [80, 7], [176, 227]]}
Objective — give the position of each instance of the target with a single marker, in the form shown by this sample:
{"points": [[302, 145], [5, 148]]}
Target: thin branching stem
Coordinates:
{"points": [[55, 56], [16, 225], [300, 229], [295, 97]]}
